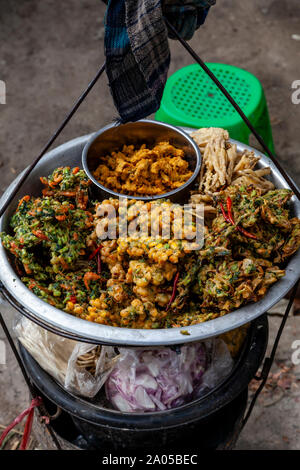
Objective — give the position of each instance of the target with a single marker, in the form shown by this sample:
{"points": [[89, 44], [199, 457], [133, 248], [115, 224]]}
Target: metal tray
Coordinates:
{"points": [[65, 324]]}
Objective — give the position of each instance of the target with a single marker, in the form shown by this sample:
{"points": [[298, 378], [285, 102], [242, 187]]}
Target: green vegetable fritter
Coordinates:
{"points": [[49, 240]]}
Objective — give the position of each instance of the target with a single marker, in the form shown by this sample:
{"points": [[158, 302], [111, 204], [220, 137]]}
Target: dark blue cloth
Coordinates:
{"points": [[137, 50], [186, 16]]}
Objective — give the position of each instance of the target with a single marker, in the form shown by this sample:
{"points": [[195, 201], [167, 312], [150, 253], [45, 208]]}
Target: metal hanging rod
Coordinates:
{"points": [[236, 107], [33, 391], [269, 360], [53, 138]]}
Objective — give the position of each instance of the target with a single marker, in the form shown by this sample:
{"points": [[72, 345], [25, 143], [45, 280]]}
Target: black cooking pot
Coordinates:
{"points": [[208, 422]]}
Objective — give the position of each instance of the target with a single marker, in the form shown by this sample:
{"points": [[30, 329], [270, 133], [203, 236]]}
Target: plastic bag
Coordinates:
{"points": [[79, 375], [221, 364], [160, 379], [79, 367], [51, 351]]}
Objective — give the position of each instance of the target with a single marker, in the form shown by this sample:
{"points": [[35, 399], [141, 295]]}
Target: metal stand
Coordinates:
{"points": [[269, 360]]}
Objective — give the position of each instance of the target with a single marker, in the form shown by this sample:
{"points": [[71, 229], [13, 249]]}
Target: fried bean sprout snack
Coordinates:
{"points": [[222, 165]]}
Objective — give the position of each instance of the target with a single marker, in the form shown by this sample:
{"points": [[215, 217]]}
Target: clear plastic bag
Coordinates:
{"points": [[79, 367], [84, 376], [219, 368], [160, 379], [135, 380], [51, 351]]}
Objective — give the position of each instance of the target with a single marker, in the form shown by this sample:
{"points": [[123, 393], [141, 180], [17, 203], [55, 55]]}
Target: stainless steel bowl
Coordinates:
{"points": [[62, 322], [112, 138]]}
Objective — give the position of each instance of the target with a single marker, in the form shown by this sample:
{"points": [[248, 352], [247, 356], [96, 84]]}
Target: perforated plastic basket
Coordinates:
{"points": [[192, 99]]}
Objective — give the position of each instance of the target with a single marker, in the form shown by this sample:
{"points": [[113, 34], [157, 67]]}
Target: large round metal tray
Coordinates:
{"points": [[82, 330]]}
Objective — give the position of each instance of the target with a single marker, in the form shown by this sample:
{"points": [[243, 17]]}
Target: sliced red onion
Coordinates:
{"points": [[152, 380]]}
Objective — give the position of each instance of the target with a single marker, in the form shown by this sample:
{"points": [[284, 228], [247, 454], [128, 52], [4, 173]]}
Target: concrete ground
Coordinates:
{"points": [[50, 50], [274, 423]]}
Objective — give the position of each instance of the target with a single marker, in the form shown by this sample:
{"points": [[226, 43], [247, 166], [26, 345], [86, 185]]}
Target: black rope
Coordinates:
{"points": [[52, 139], [236, 107]]}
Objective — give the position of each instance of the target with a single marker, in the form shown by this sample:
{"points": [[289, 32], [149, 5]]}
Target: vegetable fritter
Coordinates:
{"points": [[49, 240]]}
